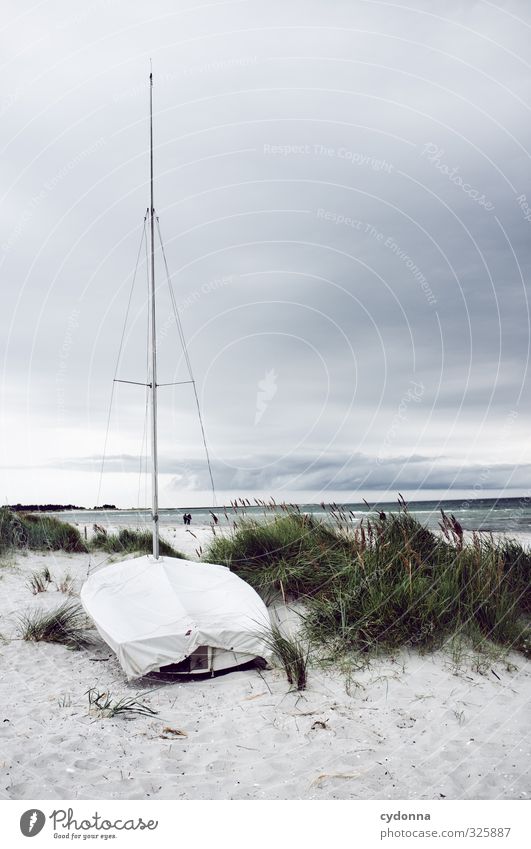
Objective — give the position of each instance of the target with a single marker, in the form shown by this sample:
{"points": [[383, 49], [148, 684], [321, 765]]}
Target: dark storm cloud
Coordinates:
{"points": [[342, 190], [319, 474]]}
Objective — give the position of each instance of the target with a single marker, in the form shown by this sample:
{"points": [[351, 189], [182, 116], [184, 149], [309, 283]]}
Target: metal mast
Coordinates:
{"points": [[153, 348]]}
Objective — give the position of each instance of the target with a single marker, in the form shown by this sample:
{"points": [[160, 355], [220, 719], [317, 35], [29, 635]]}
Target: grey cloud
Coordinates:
{"points": [[264, 117], [318, 473]]}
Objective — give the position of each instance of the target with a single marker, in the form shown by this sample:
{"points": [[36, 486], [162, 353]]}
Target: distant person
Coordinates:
{"points": [[185, 518], [189, 518]]}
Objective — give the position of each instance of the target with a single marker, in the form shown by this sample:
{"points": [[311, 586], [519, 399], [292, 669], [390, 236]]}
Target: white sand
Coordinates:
{"points": [[409, 727]]}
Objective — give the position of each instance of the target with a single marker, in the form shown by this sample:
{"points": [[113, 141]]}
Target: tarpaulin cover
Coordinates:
{"points": [[157, 612]]}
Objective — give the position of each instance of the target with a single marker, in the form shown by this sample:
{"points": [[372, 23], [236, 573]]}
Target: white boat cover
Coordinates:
{"points": [[157, 612]]}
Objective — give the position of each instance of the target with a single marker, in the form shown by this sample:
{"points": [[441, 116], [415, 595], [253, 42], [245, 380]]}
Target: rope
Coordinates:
{"points": [[188, 363], [118, 361]]}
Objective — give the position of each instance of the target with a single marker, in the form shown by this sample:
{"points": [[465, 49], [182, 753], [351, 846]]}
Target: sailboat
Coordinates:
{"points": [[166, 614]]}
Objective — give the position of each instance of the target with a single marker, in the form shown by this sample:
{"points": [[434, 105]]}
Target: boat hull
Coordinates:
{"points": [[155, 613]]}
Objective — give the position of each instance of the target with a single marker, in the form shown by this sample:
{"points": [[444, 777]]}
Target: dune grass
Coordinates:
{"points": [[130, 541], [389, 583], [67, 624], [292, 554], [37, 532], [292, 652]]}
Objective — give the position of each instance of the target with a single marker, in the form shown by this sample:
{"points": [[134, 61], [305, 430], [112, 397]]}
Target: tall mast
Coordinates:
{"points": [[153, 348]]}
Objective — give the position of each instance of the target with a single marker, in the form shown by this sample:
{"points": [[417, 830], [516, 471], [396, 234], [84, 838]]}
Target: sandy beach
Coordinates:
{"points": [[404, 727]]}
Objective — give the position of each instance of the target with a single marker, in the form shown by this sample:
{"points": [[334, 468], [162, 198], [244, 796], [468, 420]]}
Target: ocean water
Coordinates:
{"points": [[506, 515]]}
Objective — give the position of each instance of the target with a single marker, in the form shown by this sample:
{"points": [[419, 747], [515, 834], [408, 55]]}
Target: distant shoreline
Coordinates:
{"points": [[362, 506], [509, 516], [56, 508]]}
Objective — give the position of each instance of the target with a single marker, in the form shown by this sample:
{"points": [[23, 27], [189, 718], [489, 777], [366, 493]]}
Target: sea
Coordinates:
{"points": [[496, 515]]}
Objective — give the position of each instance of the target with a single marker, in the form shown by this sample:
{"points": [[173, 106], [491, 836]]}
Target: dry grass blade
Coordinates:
{"points": [[327, 775], [169, 733]]}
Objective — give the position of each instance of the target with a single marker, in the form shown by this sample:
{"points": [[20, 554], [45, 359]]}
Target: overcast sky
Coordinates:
{"points": [[342, 189]]}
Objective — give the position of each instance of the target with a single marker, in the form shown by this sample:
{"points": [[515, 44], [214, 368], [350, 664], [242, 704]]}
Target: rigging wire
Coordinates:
{"points": [[120, 349], [144, 241], [187, 361], [143, 458]]}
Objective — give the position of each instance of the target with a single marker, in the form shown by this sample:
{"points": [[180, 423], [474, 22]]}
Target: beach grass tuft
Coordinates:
{"points": [[130, 541], [66, 585], [67, 624], [292, 652], [105, 706], [387, 583], [40, 581]]}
